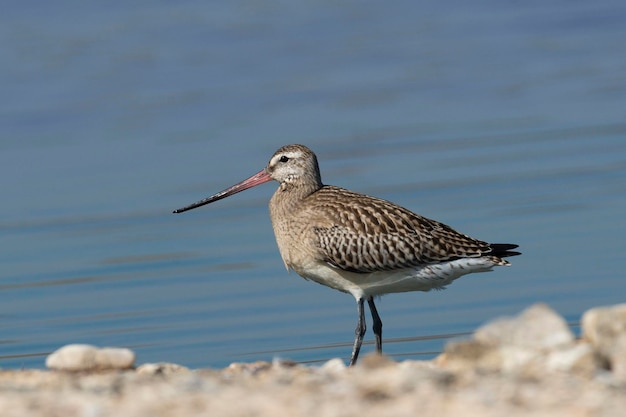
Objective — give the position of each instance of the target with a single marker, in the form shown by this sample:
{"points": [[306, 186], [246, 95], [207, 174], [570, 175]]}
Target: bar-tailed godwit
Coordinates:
{"points": [[359, 244]]}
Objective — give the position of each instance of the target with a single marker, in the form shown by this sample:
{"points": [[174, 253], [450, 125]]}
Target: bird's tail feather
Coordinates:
{"points": [[503, 250]]}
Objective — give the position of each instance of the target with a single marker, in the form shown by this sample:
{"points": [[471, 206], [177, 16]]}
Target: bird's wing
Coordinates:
{"points": [[359, 233]]}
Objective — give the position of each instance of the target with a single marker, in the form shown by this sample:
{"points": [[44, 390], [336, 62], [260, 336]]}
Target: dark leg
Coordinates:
{"points": [[377, 325], [359, 332]]}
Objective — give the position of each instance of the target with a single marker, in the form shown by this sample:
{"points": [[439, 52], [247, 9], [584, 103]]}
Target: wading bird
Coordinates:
{"points": [[359, 244]]}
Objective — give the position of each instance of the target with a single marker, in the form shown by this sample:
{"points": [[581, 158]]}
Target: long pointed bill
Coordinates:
{"points": [[258, 178]]}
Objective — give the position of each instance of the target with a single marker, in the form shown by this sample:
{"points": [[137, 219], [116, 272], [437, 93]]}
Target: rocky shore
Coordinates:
{"points": [[528, 365]]}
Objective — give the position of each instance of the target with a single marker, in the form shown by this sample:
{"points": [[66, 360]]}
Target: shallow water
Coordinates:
{"points": [[503, 121]]}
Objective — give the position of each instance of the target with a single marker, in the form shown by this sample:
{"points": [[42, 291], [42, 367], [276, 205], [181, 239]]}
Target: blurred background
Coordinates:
{"points": [[505, 120]]}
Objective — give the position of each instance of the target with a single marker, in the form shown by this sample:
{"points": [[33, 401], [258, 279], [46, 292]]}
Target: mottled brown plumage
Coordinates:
{"points": [[367, 234], [359, 244]]}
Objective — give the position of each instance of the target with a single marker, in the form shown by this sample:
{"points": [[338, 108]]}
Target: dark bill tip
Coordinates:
{"points": [[258, 178]]}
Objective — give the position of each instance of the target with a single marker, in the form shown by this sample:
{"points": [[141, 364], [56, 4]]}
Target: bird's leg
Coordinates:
{"points": [[359, 332], [377, 325]]}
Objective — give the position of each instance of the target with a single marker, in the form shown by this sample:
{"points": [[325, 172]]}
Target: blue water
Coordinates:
{"points": [[504, 120]]}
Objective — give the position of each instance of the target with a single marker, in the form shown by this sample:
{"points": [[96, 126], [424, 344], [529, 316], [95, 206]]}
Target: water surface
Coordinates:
{"points": [[503, 121]]}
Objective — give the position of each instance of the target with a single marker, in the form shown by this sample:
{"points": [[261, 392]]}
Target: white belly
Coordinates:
{"points": [[422, 278]]}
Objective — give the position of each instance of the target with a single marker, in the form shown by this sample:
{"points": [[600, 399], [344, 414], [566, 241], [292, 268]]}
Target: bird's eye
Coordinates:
{"points": [[283, 159]]}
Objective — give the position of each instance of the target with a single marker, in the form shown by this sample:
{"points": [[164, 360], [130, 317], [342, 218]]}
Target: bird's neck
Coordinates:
{"points": [[288, 197]]}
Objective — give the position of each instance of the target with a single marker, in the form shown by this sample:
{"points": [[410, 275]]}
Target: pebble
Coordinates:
{"points": [[537, 327], [161, 368], [81, 357], [605, 329], [526, 365], [531, 344], [334, 366]]}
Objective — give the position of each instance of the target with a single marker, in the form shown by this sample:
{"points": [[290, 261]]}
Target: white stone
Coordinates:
{"points": [[334, 366], [161, 368], [577, 358], [537, 327], [605, 329], [81, 357], [604, 326], [515, 358]]}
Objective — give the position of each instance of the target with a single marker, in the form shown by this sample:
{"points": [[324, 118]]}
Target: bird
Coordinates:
{"points": [[359, 244]]}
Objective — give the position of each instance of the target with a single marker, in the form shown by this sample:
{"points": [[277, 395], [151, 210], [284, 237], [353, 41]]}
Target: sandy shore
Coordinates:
{"points": [[528, 365]]}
